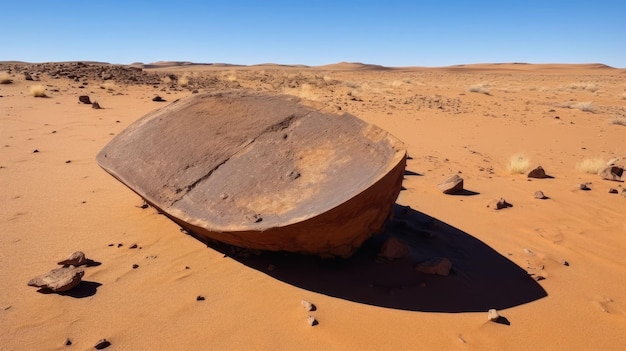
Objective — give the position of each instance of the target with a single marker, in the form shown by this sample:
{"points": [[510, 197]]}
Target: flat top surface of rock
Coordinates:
{"points": [[235, 161]]}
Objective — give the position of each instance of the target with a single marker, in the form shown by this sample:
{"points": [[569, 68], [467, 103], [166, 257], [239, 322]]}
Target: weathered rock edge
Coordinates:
{"points": [[262, 171]]}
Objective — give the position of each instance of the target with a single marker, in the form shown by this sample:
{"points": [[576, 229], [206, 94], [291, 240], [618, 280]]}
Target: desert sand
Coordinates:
{"points": [[554, 269]]}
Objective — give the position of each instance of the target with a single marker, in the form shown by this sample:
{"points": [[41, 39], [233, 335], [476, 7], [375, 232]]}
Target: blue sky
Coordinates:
{"points": [[387, 32]]}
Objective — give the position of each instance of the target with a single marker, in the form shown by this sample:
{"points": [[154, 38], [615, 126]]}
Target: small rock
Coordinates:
{"points": [[309, 307], [493, 315], [59, 280], [84, 99], [256, 218], [68, 342], [27, 76], [540, 195], [35, 151], [539, 278], [223, 196], [501, 204], [76, 259], [584, 186], [452, 184], [393, 248], [200, 298], [565, 263], [311, 320], [613, 191], [68, 161], [538, 173], [158, 98], [437, 265], [135, 266], [102, 344], [612, 172], [96, 105]]}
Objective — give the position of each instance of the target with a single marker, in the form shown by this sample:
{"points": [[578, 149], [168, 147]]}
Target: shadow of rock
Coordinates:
{"points": [[84, 289], [464, 192], [481, 278], [411, 173]]}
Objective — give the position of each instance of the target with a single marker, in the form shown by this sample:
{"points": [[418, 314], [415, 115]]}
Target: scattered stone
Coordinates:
{"points": [[309, 307], [613, 191], [612, 172], [493, 315], [452, 184], [84, 99], [96, 106], [540, 195], [200, 298], [565, 263], [538, 173], [102, 344], [311, 320], [76, 259], [68, 342], [135, 266], [539, 278], [120, 245], [35, 151], [158, 98], [501, 204], [59, 280], [133, 246], [584, 186], [393, 248], [27, 76], [437, 265], [68, 161]]}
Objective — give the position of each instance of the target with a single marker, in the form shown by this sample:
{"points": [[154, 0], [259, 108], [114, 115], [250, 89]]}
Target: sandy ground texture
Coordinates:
{"points": [[554, 269]]}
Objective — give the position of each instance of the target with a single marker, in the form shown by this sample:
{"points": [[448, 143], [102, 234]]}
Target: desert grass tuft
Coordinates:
{"points": [[621, 121], [591, 165], [38, 91], [479, 88], [5, 78], [183, 81], [518, 164], [586, 106]]}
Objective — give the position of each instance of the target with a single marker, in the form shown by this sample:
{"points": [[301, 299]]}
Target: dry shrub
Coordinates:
{"points": [[5, 78], [619, 121], [479, 88], [518, 164], [586, 106], [583, 86], [591, 165], [184, 80], [38, 91]]}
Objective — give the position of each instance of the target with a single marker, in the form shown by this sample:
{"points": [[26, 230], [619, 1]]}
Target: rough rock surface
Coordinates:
{"points": [[59, 280], [452, 184], [262, 171], [76, 259]]}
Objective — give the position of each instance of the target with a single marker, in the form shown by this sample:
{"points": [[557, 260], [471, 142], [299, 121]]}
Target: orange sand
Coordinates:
{"points": [[51, 208]]}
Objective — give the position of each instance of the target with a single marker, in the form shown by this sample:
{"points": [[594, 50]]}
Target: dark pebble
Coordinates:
{"points": [[200, 298]]}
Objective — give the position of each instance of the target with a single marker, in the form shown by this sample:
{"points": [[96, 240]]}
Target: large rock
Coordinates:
{"points": [[612, 172], [538, 173], [59, 280], [262, 171]]}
